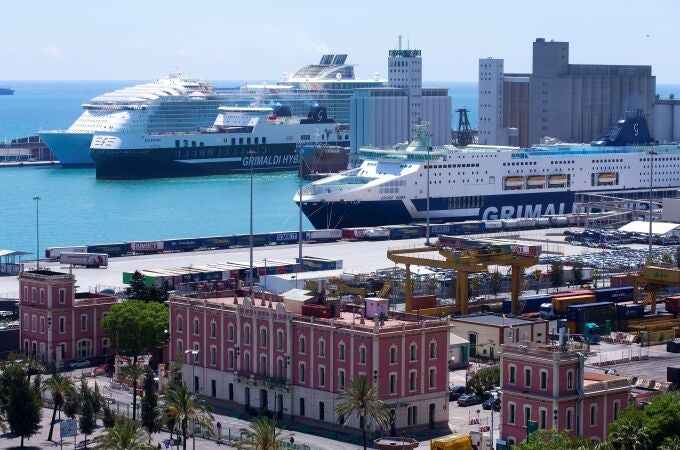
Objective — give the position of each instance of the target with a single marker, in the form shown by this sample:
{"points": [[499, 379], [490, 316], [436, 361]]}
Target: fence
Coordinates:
{"points": [[617, 357]]}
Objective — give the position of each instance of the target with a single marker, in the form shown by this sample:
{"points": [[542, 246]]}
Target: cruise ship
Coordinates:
{"points": [[177, 104], [242, 139], [485, 182]]}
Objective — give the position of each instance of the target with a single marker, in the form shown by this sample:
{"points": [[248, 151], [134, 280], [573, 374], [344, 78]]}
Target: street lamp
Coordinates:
{"points": [[37, 232], [193, 352], [651, 196]]}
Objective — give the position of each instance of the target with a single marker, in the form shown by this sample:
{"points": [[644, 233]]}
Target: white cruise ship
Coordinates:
{"points": [[487, 183]]}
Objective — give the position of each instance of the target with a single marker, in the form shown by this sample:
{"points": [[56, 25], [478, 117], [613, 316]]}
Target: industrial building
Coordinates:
{"points": [[570, 102], [389, 115]]}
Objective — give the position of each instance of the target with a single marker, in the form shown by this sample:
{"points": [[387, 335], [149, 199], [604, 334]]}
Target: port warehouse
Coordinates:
{"points": [[311, 236]]}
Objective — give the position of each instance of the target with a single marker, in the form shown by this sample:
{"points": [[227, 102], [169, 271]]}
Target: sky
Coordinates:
{"points": [[261, 39]]}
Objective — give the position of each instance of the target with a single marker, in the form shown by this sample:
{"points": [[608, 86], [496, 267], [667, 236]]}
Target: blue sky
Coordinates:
{"points": [[259, 40]]}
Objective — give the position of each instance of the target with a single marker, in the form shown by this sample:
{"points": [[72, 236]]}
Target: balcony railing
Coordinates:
{"points": [[272, 381]]}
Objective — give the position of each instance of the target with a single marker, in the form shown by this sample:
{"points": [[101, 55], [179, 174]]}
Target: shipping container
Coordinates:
{"points": [[493, 225], [437, 229], [620, 280], [559, 221], [543, 222], [218, 241], [526, 250], [405, 231], [532, 303], [323, 235], [182, 245], [617, 294], [145, 247], [526, 222], [259, 240], [626, 311], [673, 373], [468, 227], [576, 311], [365, 233], [310, 263], [84, 259], [281, 238], [562, 303], [673, 304], [118, 249], [510, 224], [54, 252]]}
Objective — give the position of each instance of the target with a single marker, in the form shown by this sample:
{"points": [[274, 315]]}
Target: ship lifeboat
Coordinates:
{"points": [[514, 182], [557, 180], [535, 182], [606, 178], [273, 117]]}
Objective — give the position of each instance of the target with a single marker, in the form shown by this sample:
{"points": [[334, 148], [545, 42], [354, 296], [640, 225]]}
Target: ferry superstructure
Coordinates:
{"points": [[171, 103], [485, 182], [261, 139]]}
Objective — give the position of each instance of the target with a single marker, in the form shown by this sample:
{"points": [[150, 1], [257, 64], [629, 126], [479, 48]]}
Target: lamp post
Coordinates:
{"points": [[651, 196], [193, 352], [37, 232]]}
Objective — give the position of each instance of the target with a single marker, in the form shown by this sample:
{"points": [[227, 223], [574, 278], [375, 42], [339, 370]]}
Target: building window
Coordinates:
{"points": [[263, 337], [570, 379], [322, 376], [544, 379], [341, 351], [542, 418], [511, 413], [34, 323], [362, 354], [83, 322], [322, 411], [322, 348], [196, 327], [230, 332], [393, 354], [230, 359], [527, 377], [42, 324], [25, 294], [433, 377], [196, 352], [512, 374], [32, 295], [213, 355], [617, 408], [433, 350], [83, 348], [25, 321], [302, 407], [279, 340], [179, 324], [412, 415], [341, 379], [412, 380], [303, 370], [570, 418], [527, 415], [413, 349], [213, 329], [180, 347], [593, 415], [62, 324], [42, 296], [302, 343], [246, 334]]}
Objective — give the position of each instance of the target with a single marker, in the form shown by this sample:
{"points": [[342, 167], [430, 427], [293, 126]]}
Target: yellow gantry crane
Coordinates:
{"points": [[466, 256], [654, 279]]}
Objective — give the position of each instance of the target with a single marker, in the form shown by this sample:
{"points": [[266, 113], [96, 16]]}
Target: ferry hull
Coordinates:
{"points": [[396, 212], [164, 163], [71, 149]]}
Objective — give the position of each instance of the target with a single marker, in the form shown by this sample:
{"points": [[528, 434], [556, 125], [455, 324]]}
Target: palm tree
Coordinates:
{"points": [[261, 434], [59, 386], [182, 407], [124, 435], [133, 372], [630, 436], [360, 399]]}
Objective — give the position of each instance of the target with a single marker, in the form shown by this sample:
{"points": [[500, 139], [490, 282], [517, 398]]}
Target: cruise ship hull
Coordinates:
{"points": [[192, 162], [71, 149], [350, 214]]}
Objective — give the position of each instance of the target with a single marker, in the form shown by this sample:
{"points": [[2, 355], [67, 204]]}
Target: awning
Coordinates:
{"points": [[642, 227]]}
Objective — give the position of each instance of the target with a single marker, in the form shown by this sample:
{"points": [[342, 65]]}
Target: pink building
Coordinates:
{"points": [[58, 324], [549, 385], [261, 355]]}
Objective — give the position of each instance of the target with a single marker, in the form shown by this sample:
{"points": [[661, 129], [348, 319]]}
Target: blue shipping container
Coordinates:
{"points": [[406, 232], [290, 237], [314, 264], [532, 303], [219, 241], [630, 311], [181, 244], [574, 311], [259, 240], [616, 295], [110, 249]]}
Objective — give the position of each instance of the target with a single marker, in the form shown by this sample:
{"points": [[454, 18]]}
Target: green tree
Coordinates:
{"points": [[557, 274], [360, 399], [261, 434], [475, 285], [136, 327], [138, 290], [546, 440], [666, 258], [578, 273], [124, 435], [133, 372], [536, 275], [662, 416], [58, 386], [596, 275], [71, 404], [484, 379], [108, 417], [87, 420], [24, 409], [496, 282], [150, 405], [183, 407], [628, 436]]}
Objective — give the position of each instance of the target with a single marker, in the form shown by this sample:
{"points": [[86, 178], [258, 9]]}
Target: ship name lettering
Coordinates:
{"points": [[533, 211]]}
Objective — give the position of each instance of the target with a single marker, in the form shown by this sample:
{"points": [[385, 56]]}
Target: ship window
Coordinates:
{"points": [[240, 141], [256, 141], [200, 144], [177, 143], [193, 143], [233, 141], [247, 141], [264, 140]]}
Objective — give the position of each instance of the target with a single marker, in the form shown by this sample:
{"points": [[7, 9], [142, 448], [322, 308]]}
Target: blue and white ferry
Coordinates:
{"points": [[487, 182]]}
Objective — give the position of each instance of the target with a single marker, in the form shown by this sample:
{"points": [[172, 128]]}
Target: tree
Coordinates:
{"points": [[536, 275], [661, 417], [138, 290], [150, 405], [58, 386], [87, 420], [666, 258], [261, 434], [24, 409], [496, 282], [124, 435], [475, 285], [629, 436], [596, 276], [182, 407], [546, 440], [133, 373], [360, 399], [71, 404], [108, 418], [557, 274], [484, 379], [578, 273], [136, 327]]}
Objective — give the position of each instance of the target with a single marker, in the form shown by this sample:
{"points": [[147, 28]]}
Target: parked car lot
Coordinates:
{"points": [[469, 399]]}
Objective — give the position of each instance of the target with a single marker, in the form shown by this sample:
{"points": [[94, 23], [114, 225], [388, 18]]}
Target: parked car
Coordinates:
{"points": [[78, 364], [103, 369], [455, 392], [469, 399], [492, 402]]}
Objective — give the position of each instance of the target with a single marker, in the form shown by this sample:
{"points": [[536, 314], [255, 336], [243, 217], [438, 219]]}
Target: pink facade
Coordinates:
{"points": [[259, 355], [58, 324], [547, 385]]}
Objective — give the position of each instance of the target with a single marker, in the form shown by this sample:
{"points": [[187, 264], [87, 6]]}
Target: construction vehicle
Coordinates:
{"points": [[452, 442]]}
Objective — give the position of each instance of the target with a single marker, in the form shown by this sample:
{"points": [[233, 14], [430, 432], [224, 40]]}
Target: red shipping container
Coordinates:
{"points": [[673, 304], [423, 301], [620, 280]]}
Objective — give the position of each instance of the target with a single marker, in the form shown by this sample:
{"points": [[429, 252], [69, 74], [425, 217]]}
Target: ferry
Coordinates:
{"points": [[487, 182], [241, 140]]}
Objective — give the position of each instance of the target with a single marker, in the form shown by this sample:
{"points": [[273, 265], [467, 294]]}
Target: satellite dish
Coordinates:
{"points": [[338, 75]]}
